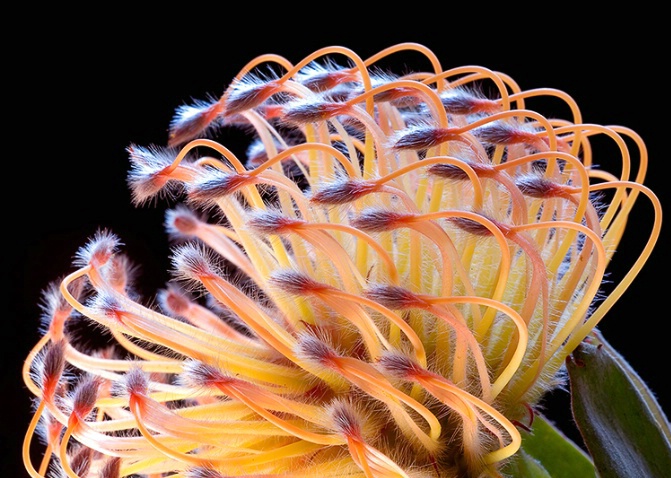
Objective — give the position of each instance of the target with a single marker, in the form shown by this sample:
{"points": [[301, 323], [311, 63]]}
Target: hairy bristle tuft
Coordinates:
{"points": [[147, 178], [417, 137], [136, 382], [192, 262], [120, 271], [181, 221], [54, 359], [394, 297], [53, 302], [53, 365], [296, 283], [401, 97], [504, 133], [85, 396], [346, 419], [248, 94], [107, 305], [200, 374], [397, 365], [301, 112], [454, 172], [272, 222], [174, 300], [421, 137], [320, 78], [459, 101], [192, 121], [98, 250], [538, 187], [471, 226], [314, 349], [343, 192], [112, 468], [215, 186], [80, 460], [378, 220]]}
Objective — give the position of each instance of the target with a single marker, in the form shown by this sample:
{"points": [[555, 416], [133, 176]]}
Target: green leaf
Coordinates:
{"points": [[621, 422], [547, 453], [525, 466], [644, 391]]}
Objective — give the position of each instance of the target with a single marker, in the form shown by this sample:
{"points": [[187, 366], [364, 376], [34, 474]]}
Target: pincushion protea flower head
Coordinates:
{"points": [[385, 285]]}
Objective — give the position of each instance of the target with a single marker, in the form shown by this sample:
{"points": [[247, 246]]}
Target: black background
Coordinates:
{"points": [[82, 91]]}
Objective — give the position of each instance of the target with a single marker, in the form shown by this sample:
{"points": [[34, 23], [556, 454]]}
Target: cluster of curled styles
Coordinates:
{"points": [[384, 286]]}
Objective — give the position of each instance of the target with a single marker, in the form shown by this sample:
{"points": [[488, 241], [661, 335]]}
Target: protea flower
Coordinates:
{"points": [[386, 285]]}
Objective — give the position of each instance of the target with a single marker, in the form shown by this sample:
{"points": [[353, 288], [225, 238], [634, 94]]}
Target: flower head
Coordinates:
{"points": [[385, 287]]}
